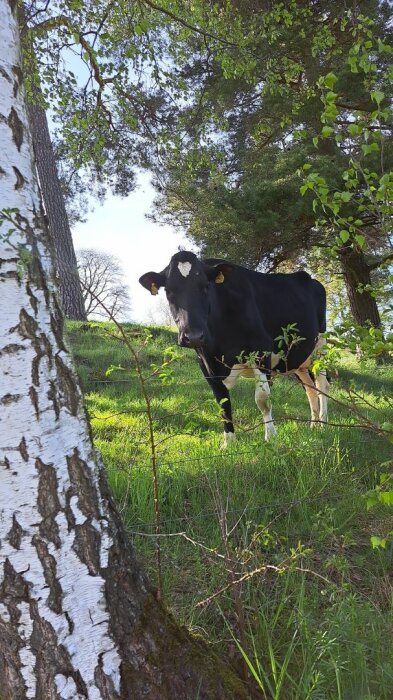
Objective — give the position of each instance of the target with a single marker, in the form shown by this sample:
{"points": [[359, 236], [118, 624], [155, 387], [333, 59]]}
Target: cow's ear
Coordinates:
{"points": [[218, 273], [152, 281]]}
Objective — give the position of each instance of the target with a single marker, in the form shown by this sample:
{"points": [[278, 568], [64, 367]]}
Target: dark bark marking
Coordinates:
{"points": [[71, 625], [13, 590], [68, 385], [33, 299], [35, 365], [104, 683], [57, 323], [51, 658], [7, 399], [23, 450], [20, 180], [2, 172], [27, 325], [11, 348], [33, 234], [42, 348], [87, 546], [13, 5], [84, 487], [5, 463], [18, 78], [15, 534], [52, 396], [48, 502], [16, 127], [12, 274], [34, 400], [49, 568], [5, 75]]}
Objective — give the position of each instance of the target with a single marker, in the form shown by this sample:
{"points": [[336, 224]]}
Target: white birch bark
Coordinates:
{"points": [[44, 438], [78, 619]]}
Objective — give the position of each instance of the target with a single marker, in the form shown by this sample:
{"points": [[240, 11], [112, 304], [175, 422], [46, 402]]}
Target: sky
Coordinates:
{"points": [[119, 227]]}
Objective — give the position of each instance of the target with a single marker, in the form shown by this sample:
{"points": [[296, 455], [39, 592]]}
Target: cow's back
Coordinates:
{"points": [[253, 309]]}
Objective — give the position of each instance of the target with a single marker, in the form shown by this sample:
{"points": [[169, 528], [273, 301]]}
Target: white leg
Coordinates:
{"points": [[262, 394], [311, 392], [322, 385], [229, 438]]}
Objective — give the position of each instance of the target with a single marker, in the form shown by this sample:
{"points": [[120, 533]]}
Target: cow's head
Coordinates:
{"points": [[187, 281]]}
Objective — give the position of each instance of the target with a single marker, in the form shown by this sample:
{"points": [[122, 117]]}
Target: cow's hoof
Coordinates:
{"points": [[228, 439], [270, 431], [316, 424]]}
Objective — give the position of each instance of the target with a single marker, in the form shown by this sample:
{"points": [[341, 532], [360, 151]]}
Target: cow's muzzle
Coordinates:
{"points": [[192, 340]]}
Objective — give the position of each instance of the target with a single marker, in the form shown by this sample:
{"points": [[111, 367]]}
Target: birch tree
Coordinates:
{"points": [[78, 617]]}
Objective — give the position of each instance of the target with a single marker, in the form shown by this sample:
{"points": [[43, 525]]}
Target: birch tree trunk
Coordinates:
{"points": [[78, 618]]}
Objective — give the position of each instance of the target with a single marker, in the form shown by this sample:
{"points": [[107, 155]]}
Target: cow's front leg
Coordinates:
{"points": [[262, 400], [221, 394]]}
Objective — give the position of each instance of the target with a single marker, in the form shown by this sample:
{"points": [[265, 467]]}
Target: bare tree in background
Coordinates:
{"points": [[102, 281], [160, 314]]}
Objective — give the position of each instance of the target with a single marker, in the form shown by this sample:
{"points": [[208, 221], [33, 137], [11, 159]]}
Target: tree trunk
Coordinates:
{"points": [[78, 618], [57, 219], [356, 272]]}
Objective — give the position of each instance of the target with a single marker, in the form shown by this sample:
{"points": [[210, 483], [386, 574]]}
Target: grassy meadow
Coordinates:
{"points": [[265, 547]]}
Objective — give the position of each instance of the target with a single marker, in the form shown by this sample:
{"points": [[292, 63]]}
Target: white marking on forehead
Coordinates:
{"points": [[184, 268]]}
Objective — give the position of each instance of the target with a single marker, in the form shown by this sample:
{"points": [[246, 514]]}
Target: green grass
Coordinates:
{"points": [[319, 625]]}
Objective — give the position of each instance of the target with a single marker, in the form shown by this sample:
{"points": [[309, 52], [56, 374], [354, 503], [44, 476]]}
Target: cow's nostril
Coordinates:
{"points": [[196, 339], [184, 340]]}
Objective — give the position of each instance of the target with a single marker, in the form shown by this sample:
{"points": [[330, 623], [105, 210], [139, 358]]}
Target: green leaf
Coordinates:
{"points": [[368, 148], [360, 240], [354, 129], [307, 166], [326, 131], [330, 112], [331, 96], [315, 140], [371, 500], [377, 96], [386, 497], [378, 542], [384, 48], [344, 235], [330, 79]]}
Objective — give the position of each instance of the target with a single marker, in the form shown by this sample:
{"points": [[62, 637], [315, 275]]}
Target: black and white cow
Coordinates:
{"points": [[233, 317]]}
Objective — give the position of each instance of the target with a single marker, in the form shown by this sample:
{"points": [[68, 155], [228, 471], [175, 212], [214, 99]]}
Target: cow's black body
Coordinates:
{"points": [[227, 312]]}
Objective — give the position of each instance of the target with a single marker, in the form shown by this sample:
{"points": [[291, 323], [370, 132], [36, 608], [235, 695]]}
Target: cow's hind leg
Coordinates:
{"points": [[322, 384], [262, 400], [311, 390]]}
